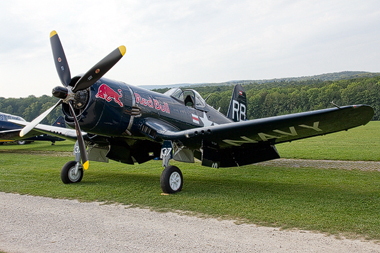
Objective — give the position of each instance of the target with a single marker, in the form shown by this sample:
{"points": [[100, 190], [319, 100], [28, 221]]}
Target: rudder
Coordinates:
{"points": [[237, 111], [60, 122]]}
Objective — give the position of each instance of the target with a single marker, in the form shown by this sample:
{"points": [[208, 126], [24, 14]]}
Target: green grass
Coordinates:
{"points": [[331, 201], [357, 144], [60, 146], [339, 202]]}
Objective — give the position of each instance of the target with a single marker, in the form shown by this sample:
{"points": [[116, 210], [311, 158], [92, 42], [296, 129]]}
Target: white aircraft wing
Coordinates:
{"points": [[66, 133]]}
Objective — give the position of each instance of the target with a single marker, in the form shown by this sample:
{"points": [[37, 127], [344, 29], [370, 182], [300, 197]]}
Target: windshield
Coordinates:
{"points": [[176, 93], [181, 95], [199, 101]]}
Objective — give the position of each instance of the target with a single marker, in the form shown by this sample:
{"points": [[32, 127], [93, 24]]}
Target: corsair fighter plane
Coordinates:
{"points": [[130, 124]]}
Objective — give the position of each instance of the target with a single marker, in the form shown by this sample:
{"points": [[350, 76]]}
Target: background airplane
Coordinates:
{"points": [[130, 124], [10, 131]]}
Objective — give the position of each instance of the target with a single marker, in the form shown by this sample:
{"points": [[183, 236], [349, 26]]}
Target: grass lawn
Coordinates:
{"points": [[357, 144], [334, 201]]}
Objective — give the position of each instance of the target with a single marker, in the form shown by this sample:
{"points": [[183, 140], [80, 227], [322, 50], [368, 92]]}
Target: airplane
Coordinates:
{"points": [[9, 131], [129, 124]]}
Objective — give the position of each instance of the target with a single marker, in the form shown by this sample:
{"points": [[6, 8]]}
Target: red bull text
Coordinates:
{"points": [[164, 107]]}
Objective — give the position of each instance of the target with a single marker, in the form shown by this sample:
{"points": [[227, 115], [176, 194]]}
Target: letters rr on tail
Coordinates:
{"points": [[107, 93]]}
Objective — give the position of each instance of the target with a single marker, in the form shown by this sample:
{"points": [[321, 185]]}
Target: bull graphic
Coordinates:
{"points": [[107, 93]]}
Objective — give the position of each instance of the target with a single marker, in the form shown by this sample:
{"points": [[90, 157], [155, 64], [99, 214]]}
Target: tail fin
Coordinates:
{"points": [[238, 105], [60, 122]]}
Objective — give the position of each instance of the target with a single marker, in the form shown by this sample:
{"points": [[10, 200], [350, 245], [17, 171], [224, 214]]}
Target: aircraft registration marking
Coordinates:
{"points": [[266, 137]]}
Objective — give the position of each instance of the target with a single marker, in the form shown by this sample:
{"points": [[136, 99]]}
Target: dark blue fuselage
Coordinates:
{"points": [[117, 109]]}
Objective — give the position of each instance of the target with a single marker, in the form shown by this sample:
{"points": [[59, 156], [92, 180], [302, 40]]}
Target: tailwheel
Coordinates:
{"points": [[72, 172], [171, 179]]}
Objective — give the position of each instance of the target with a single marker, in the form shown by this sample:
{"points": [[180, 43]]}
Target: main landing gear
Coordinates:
{"points": [[171, 178], [72, 172]]}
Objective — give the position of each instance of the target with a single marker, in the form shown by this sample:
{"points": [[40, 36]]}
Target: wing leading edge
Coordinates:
{"points": [[51, 130]]}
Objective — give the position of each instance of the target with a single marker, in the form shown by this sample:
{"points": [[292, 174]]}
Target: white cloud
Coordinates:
{"points": [[186, 41]]}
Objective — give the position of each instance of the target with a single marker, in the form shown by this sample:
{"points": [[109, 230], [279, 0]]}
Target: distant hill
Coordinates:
{"points": [[323, 77]]}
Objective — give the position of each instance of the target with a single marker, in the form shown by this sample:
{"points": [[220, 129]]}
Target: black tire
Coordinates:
{"points": [[67, 173], [22, 142], [171, 180]]}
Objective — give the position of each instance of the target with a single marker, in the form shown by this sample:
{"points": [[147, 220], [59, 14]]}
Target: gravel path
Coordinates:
{"points": [[38, 224]]}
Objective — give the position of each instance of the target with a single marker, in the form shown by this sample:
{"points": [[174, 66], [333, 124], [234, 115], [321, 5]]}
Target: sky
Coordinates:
{"points": [[172, 42]]}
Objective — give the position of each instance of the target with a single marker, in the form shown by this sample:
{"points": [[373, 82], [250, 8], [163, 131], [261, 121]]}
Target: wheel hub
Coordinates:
{"points": [[175, 181], [74, 174]]}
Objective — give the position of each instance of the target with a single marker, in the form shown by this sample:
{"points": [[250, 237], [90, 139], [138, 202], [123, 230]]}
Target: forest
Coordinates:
{"points": [[264, 99], [284, 97]]}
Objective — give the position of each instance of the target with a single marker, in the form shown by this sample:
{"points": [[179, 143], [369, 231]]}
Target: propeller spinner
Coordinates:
{"points": [[67, 93]]}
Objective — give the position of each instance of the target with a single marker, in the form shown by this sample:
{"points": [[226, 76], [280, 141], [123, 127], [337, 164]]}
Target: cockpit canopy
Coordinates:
{"points": [[187, 96], [6, 117]]}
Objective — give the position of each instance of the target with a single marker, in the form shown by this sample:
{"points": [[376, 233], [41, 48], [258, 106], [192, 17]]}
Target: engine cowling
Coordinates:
{"points": [[104, 108]]}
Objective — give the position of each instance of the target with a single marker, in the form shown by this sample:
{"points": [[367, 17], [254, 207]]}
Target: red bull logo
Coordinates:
{"points": [[107, 93]]}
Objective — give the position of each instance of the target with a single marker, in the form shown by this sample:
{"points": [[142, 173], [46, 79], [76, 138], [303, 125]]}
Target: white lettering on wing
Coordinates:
{"points": [[266, 136]]}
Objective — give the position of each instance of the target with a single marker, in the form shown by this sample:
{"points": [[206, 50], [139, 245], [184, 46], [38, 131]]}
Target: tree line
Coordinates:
{"points": [[31, 107], [279, 98], [264, 99], [284, 97]]}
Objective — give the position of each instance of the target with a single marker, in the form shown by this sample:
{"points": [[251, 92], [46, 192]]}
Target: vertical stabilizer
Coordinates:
{"points": [[60, 122], [237, 110]]}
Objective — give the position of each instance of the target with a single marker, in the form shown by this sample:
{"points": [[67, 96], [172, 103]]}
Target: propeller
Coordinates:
{"points": [[60, 60], [99, 69], [37, 120], [66, 94]]}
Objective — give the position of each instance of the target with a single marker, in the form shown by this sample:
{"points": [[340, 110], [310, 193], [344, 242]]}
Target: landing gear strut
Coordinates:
{"points": [[171, 178], [72, 172]]}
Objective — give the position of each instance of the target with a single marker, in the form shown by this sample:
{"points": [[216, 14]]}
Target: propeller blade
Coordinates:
{"points": [[37, 120], [99, 69], [80, 140], [60, 60]]}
